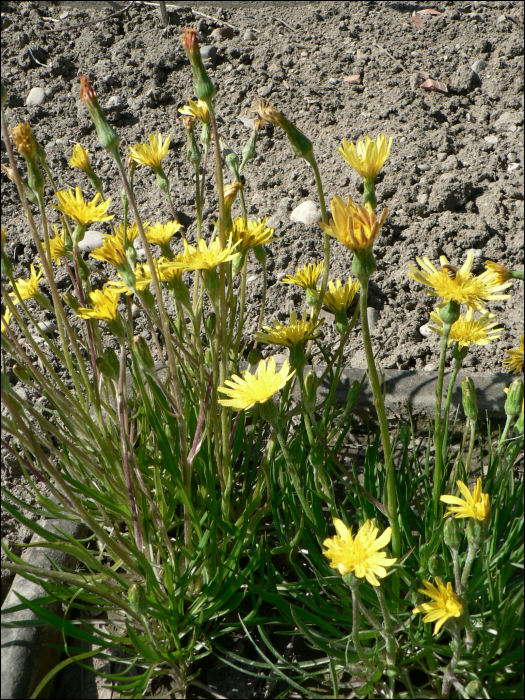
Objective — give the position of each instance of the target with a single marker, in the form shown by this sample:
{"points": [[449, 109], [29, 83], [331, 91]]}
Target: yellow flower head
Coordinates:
{"points": [[501, 271], [84, 213], [198, 109], [27, 288], [446, 603], [475, 505], [142, 281], [514, 361], [230, 193], [459, 285], [290, 336], [466, 330], [255, 388], [161, 234], [58, 246], [306, 277], [354, 226], [251, 234], [80, 158], [337, 298], [204, 257], [111, 251], [132, 232], [153, 154], [104, 306], [168, 270], [359, 554], [5, 319], [24, 139], [368, 157]]}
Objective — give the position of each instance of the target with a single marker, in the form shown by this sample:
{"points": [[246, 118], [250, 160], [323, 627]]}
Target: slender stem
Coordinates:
{"points": [[504, 434], [293, 473], [449, 671], [391, 646], [391, 498], [242, 305], [457, 574], [471, 556], [448, 400], [263, 302], [326, 266], [438, 443], [203, 191], [355, 625], [198, 201], [471, 443]]}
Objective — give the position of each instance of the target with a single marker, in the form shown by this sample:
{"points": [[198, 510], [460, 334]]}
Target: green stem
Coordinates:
{"points": [[448, 400], [503, 438], [242, 304], [469, 561], [438, 443], [471, 443], [263, 302], [292, 471], [355, 625], [199, 230], [391, 499], [391, 646], [449, 671]]}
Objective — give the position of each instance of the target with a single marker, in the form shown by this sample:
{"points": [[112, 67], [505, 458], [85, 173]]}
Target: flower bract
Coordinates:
{"points": [[84, 213], [462, 286], [306, 277], [500, 270], [359, 554], [446, 603], [297, 332], [473, 505], [467, 330], [104, 306], [153, 154], [27, 288], [366, 158], [255, 388], [514, 361], [354, 226]]}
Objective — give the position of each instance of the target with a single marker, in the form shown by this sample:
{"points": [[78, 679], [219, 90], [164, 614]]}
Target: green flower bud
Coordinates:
{"points": [[260, 254], [449, 314], [474, 689], [231, 159], [254, 357], [107, 136], [248, 152], [105, 368], [310, 386], [206, 135], [203, 86], [470, 405], [474, 532], [212, 285], [208, 357], [142, 354], [458, 354], [514, 400], [137, 599], [211, 325], [452, 533], [71, 301], [238, 262], [436, 565], [21, 373], [518, 425], [311, 297]]}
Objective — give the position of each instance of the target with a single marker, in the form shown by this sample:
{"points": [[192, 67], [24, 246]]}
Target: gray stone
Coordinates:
{"points": [[422, 198], [92, 239], [372, 316], [223, 32], [441, 157], [492, 139], [36, 97], [115, 104], [478, 66], [141, 255], [505, 121], [423, 167], [247, 121], [307, 213], [430, 367], [249, 35], [135, 311], [47, 327], [208, 52], [512, 157], [252, 278], [425, 331], [513, 166]]}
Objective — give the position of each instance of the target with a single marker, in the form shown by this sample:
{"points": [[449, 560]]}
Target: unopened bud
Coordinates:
{"points": [[301, 145], [458, 354], [248, 152], [143, 354], [105, 368], [452, 533], [208, 357], [310, 387], [137, 599], [513, 404], [518, 425], [474, 689], [449, 313], [254, 356], [211, 325], [470, 405], [107, 136], [230, 158], [260, 254], [21, 373], [202, 84], [436, 565]]}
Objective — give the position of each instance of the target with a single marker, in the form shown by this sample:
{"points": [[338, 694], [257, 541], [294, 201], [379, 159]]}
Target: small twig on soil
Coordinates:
{"points": [[392, 57], [280, 21], [93, 21], [201, 14]]}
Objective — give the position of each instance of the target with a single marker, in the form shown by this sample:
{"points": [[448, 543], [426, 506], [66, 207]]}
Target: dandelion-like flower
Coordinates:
{"points": [[367, 158], [255, 388], [291, 336], [514, 361], [205, 257], [132, 232], [5, 320], [27, 288], [500, 270], [198, 109], [354, 226], [338, 298], [111, 251], [306, 277], [445, 606], [467, 330], [161, 234], [58, 246], [80, 158], [142, 281], [168, 270], [251, 234], [359, 554], [153, 154], [84, 213], [461, 286], [473, 505], [104, 306]]}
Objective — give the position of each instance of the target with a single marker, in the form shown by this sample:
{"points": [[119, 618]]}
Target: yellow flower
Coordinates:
{"points": [[515, 360], [104, 306], [111, 251], [24, 139], [368, 157], [198, 109], [84, 213], [80, 158], [161, 234], [142, 281], [153, 154], [476, 504], [354, 226], [132, 232], [337, 298], [359, 554], [446, 603], [5, 319], [168, 271], [459, 285], [27, 288], [204, 257], [58, 247], [466, 330], [255, 388], [251, 234], [290, 336], [306, 277], [501, 271]]}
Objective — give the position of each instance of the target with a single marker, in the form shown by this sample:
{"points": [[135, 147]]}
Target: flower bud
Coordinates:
{"points": [[513, 404], [193, 153], [436, 565], [470, 405], [142, 354], [21, 373], [260, 254], [231, 159], [254, 357], [301, 145], [203, 86], [518, 425], [341, 322], [107, 136], [248, 152], [458, 354], [474, 689], [212, 285], [211, 325], [475, 531], [310, 387], [111, 358], [71, 301], [452, 533], [449, 313], [137, 599]]}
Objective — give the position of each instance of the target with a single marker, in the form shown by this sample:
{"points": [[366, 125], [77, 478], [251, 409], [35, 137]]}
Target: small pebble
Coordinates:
{"points": [[36, 97], [430, 367], [423, 167], [307, 213], [441, 157], [478, 254], [223, 32], [141, 255], [252, 278], [422, 198], [491, 139], [135, 311], [512, 157], [513, 166], [478, 66], [92, 239], [115, 104], [208, 52], [425, 331], [249, 35], [47, 327]]}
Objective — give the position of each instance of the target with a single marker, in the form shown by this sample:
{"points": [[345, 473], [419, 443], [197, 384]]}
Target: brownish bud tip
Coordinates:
{"points": [[24, 140], [87, 93], [189, 40]]}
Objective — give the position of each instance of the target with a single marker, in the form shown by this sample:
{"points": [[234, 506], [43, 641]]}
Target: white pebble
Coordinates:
{"points": [[425, 331], [92, 239], [36, 97]]}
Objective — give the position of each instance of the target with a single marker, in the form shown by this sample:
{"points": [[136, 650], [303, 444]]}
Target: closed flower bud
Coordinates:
{"points": [[452, 533], [470, 405], [458, 354], [449, 314], [513, 404], [111, 358], [142, 354], [71, 301], [208, 357], [202, 84], [310, 386], [21, 373], [230, 158], [254, 356], [137, 599], [436, 565], [474, 689], [211, 325], [107, 136], [105, 368], [260, 254], [248, 152]]}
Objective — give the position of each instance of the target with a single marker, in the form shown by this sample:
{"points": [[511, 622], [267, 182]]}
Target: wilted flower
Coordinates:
{"points": [[445, 606], [153, 154], [458, 285], [367, 158], [255, 388], [359, 554], [301, 145], [84, 213], [514, 361], [475, 505], [24, 139], [466, 330]]}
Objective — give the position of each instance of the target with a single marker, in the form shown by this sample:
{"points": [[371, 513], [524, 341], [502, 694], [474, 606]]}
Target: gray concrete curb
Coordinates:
{"points": [[26, 658]]}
